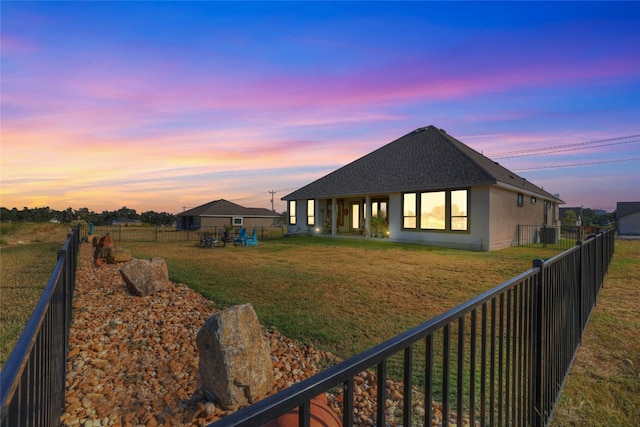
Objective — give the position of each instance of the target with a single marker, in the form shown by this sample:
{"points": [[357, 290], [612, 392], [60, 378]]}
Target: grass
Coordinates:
{"points": [[24, 271], [28, 254], [603, 387], [333, 293], [346, 296]]}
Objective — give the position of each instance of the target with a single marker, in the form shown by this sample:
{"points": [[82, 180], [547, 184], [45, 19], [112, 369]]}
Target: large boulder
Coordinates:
{"points": [[144, 277], [235, 359]]}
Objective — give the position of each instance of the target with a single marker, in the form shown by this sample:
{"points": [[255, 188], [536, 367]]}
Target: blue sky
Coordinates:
{"points": [[165, 105]]}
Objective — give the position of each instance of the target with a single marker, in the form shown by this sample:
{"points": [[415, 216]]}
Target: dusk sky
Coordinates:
{"points": [[166, 105]]}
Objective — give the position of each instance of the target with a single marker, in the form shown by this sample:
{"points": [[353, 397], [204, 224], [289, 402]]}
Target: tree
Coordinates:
{"points": [[570, 218]]}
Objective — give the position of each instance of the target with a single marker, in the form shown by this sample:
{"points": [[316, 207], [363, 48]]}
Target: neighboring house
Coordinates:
{"points": [[431, 189], [223, 212], [628, 218]]}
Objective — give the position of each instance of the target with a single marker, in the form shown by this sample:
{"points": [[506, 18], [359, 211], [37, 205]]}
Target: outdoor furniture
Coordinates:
{"points": [[208, 240], [252, 239], [240, 238]]}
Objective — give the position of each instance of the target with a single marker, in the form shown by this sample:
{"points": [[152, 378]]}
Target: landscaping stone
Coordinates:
{"points": [[134, 361], [144, 277], [235, 358]]}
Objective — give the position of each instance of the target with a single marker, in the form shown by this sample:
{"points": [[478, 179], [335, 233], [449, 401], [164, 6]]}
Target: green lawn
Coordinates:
{"points": [[24, 272], [342, 295], [348, 295]]}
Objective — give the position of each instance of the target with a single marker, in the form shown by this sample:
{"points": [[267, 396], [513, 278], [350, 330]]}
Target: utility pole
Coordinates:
{"points": [[272, 193]]}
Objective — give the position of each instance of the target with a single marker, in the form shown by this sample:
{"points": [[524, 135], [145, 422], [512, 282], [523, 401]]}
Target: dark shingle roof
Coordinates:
{"points": [[224, 207], [626, 208], [425, 159]]}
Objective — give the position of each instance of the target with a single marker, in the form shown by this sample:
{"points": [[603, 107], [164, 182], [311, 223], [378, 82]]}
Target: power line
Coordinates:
{"points": [[564, 150], [578, 164], [541, 150]]}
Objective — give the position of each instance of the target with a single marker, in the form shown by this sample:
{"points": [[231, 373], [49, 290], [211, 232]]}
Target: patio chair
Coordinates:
{"points": [[208, 240], [240, 238], [252, 240]]}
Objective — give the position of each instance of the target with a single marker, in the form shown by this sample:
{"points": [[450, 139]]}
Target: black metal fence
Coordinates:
{"points": [[32, 381], [500, 359], [139, 233], [561, 237]]}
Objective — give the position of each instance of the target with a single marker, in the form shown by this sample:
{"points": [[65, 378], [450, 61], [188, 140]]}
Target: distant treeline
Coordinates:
{"points": [[588, 217], [83, 214]]}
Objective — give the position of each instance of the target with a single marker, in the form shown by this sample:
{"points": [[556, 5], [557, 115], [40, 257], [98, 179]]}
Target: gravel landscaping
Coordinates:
{"points": [[133, 361]]}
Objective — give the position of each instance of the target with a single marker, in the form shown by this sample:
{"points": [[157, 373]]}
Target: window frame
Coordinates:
{"points": [[311, 212], [448, 217], [520, 200], [292, 212]]}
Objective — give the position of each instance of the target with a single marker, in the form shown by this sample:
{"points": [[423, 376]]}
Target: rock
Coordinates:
{"points": [[144, 277], [104, 242], [113, 254], [235, 361]]}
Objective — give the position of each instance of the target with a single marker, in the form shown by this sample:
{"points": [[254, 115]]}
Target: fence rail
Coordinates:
{"points": [[32, 381], [136, 233], [499, 359], [561, 237]]}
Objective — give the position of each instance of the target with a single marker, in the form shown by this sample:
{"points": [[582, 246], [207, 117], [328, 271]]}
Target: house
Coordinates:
{"points": [[222, 212], [628, 218], [431, 189]]}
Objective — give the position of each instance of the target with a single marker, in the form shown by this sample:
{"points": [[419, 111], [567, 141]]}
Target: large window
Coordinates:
{"points": [[432, 210], [445, 210], [292, 212], [311, 212], [459, 212]]}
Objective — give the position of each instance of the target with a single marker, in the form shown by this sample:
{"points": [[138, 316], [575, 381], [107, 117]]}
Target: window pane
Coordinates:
{"points": [[409, 210], [355, 219], [292, 212], [311, 218], [459, 223], [432, 210], [459, 203], [409, 222]]}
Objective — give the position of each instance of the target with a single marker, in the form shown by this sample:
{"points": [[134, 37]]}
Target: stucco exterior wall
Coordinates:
{"points": [[247, 222], [494, 216], [629, 225], [506, 215]]}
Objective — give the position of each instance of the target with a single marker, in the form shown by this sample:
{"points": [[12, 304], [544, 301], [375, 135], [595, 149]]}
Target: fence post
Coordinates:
{"points": [[537, 392]]}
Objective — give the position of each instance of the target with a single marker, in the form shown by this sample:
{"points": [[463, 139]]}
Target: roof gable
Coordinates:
{"points": [[224, 207], [425, 159]]}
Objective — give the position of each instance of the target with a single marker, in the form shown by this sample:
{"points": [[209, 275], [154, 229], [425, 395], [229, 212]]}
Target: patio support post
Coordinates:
{"points": [[334, 216], [367, 215]]}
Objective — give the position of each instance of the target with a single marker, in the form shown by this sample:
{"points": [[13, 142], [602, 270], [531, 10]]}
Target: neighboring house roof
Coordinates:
{"points": [[425, 159], [627, 208], [226, 208]]}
